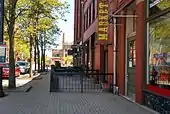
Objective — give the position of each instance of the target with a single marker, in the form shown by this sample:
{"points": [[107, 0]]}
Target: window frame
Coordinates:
{"points": [[86, 20], [89, 14], [93, 10], [148, 19]]}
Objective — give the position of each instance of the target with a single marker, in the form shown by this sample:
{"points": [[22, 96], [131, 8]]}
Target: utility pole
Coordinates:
{"points": [[1, 42]]}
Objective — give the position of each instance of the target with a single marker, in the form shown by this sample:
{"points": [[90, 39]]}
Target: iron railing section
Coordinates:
{"points": [[78, 79]]}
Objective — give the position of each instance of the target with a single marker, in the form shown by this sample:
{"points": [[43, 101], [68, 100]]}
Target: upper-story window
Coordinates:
{"points": [[86, 19], [91, 12], [93, 4], [95, 8], [89, 15]]}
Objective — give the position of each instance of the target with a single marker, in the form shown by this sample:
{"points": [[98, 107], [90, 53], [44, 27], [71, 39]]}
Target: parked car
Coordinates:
{"points": [[24, 66], [5, 73]]}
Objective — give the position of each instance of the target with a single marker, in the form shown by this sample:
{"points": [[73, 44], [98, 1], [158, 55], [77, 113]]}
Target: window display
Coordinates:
{"points": [[159, 51]]}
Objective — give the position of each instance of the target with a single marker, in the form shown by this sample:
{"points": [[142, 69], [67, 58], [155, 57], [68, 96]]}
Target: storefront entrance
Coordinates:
{"points": [[106, 65], [131, 62]]}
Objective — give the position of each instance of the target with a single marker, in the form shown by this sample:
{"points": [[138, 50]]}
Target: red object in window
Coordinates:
{"points": [[163, 77], [160, 91]]}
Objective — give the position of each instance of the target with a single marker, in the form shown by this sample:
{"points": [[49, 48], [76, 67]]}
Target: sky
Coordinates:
{"points": [[66, 27]]}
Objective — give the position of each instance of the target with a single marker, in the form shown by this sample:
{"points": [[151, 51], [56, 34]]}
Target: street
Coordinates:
{"points": [[40, 101]]}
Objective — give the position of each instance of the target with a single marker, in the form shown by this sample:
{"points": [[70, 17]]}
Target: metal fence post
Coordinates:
{"points": [[81, 80], [97, 77], [51, 81]]}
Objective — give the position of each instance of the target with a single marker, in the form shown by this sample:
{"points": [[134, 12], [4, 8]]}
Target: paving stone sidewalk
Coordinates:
{"points": [[40, 101]]}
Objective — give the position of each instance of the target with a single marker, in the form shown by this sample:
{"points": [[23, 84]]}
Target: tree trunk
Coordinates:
{"points": [[44, 60], [31, 45], [35, 57], [41, 45], [38, 51], [43, 52], [12, 82], [41, 57], [12, 6], [41, 61]]}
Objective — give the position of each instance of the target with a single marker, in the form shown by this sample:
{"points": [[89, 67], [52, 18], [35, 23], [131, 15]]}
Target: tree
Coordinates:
{"points": [[13, 9], [42, 16], [45, 20], [22, 13], [49, 38], [10, 16]]}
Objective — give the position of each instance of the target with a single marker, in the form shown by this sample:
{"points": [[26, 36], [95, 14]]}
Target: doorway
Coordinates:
{"points": [[130, 68], [106, 66], [93, 51]]}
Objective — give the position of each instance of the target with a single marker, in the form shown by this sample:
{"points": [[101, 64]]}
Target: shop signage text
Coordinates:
{"points": [[102, 20]]}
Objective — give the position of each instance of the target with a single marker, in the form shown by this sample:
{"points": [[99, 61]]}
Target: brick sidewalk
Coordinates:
{"points": [[40, 101]]}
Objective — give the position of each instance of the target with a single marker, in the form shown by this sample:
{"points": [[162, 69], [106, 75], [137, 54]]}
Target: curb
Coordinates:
{"points": [[21, 89]]}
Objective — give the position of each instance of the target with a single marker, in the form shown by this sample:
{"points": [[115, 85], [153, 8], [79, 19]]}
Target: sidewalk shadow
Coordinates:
{"points": [[25, 87]]}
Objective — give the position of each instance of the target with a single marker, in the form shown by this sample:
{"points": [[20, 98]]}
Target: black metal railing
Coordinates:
{"points": [[76, 79]]}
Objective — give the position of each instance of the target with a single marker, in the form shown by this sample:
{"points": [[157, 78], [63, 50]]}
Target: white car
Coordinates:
{"points": [[24, 66]]}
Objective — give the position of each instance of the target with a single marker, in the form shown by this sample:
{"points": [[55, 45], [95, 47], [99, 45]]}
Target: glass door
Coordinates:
{"points": [[131, 63]]}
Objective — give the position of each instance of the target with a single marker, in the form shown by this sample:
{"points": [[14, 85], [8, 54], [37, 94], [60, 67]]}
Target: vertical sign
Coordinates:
{"points": [[103, 19], [2, 53], [1, 20]]}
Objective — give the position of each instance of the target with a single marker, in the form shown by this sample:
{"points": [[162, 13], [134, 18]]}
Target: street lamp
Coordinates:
{"points": [[1, 41]]}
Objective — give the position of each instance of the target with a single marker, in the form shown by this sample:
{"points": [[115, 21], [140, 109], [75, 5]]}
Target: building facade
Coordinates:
{"points": [[67, 53], [157, 36], [78, 27], [135, 48]]}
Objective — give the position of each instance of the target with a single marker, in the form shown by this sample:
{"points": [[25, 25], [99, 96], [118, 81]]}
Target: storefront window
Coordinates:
{"points": [[159, 51], [156, 6]]}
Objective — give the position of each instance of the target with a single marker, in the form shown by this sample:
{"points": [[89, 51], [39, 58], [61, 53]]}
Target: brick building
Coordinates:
{"points": [[134, 44]]}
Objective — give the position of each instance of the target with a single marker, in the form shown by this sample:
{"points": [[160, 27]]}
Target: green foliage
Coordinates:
{"points": [[47, 12], [160, 35], [22, 49], [25, 20], [40, 16]]}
